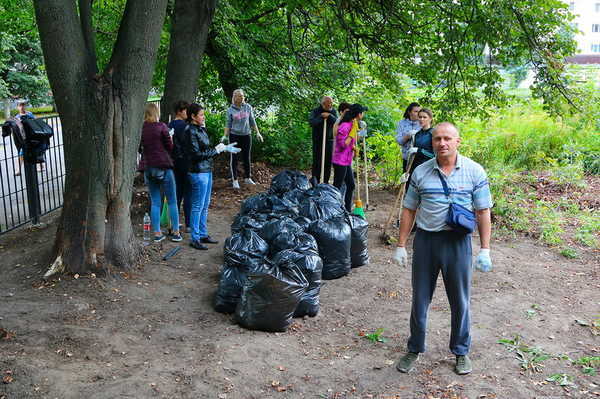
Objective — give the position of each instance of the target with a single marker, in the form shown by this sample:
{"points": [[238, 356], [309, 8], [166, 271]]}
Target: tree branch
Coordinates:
{"points": [[85, 17]]}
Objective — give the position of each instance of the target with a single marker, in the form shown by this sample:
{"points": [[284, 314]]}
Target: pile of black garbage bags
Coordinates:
{"points": [[283, 243]]}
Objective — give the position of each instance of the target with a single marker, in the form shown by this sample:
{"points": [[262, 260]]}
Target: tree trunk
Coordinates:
{"points": [[191, 20], [101, 117], [223, 64]]}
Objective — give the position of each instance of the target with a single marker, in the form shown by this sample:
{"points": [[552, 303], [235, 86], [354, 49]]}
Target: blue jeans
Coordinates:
{"points": [[168, 187], [200, 190]]}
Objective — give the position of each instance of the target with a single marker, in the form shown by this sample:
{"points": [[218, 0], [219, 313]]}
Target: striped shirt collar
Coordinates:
{"points": [[459, 162]]}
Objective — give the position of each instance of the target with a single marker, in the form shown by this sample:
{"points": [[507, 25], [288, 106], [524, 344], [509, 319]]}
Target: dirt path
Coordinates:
{"points": [[153, 333]]}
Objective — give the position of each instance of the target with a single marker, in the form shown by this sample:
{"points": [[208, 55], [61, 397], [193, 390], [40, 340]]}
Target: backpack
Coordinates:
{"points": [[37, 130]]}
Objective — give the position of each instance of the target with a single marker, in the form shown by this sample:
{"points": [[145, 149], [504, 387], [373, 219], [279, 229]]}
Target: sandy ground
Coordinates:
{"points": [[153, 333]]}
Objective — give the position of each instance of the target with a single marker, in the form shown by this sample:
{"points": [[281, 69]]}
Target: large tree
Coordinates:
{"points": [[190, 22], [101, 113]]}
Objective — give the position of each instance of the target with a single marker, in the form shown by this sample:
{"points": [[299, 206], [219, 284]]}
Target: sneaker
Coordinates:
{"points": [[176, 237], [158, 238], [249, 181], [236, 184], [198, 245], [208, 240], [463, 365], [188, 229], [407, 362]]}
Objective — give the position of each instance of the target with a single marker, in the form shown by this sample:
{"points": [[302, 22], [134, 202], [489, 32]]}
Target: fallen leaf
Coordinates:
{"points": [[7, 379]]}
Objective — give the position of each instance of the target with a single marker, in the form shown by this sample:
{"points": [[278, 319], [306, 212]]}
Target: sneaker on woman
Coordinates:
{"points": [[249, 181], [236, 184]]}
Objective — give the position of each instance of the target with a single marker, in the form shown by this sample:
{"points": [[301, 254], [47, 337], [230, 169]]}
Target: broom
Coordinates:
{"points": [[385, 237], [358, 205]]}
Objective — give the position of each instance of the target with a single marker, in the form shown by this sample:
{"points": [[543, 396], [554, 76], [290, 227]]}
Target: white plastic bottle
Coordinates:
{"points": [[146, 227]]}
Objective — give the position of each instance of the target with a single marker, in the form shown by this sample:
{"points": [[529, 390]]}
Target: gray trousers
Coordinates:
{"points": [[450, 253]]}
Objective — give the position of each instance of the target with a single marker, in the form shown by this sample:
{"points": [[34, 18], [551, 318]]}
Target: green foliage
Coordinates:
{"points": [[569, 253], [588, 364], [561, 379], [530, 358], [375, 336], [22, 71]]}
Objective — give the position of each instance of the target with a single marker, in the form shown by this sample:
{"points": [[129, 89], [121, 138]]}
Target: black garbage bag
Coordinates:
{"points": [[282, 206], [274, 227], [325, 192], [256, 203], [252, 221], [319, 209], [301, 242], [305, 243], [289, 180], [295, 196], [303, 222], [359, 252], [270, 297], [245, 250], [333, 237], [311, 266], [229, 292]]}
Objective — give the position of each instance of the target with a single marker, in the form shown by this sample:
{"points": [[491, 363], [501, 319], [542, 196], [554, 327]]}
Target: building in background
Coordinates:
{"points": [[587, 22]]}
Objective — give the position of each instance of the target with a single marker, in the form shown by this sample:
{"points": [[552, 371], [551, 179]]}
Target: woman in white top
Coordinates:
{"points": [[406, 129]]}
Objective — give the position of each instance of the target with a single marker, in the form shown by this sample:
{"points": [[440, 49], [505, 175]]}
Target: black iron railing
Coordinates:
{"points": [[30, 191]]}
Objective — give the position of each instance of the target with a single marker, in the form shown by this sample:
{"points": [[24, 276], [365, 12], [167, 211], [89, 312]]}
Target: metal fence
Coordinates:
{"points": [[26, 193]]}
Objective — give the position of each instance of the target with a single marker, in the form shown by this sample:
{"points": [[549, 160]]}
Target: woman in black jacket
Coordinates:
{"points": [[199, 154]]}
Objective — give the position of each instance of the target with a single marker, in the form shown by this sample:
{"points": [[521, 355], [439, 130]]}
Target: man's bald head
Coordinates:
{"points": [[445, 127], [327, 102], [445, 140]]}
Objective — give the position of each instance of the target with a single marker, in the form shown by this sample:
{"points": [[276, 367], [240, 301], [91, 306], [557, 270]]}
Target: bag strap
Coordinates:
{"points": [[444, 184]]}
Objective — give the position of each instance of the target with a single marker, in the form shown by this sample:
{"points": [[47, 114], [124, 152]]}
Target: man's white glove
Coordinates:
{"points": [[220, 148], [171, 132], [224, 139], [404, 178], [400, 256], [232, 148], [483, 262], [362, 133], [413, 150]]}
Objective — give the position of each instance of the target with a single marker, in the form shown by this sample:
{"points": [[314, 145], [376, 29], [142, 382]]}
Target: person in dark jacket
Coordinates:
{"points": [[199, 154], [324, 113], [177, 126], [158, 173], [423, 148]]}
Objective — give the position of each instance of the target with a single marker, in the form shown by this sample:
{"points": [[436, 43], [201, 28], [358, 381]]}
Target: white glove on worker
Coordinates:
{"points": [[400, 256], [362, 125], [483, 262], [232, 148], [224, 139], [413, 150], [220, 148], [404, 178]]}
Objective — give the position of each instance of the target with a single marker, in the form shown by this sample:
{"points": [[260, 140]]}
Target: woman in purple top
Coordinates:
{"points": [[158, 173], [343, 152]]}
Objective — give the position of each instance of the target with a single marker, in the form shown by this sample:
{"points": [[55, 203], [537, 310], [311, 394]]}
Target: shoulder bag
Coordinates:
{"points": [[459, 218]]}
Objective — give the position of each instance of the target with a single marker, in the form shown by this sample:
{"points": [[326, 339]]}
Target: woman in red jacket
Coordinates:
{"points": [[158, 173]]}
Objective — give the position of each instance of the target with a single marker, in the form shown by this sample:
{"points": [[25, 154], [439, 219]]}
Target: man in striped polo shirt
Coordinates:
{"points": [[437, 248]]}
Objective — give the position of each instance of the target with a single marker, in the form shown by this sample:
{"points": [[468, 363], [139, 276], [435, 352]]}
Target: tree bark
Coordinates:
{"points": [[225, 67], [101, 117], [190, 22]]}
